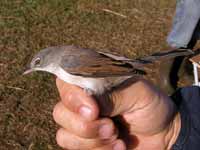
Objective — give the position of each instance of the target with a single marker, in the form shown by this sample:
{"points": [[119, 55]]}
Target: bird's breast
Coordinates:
{"points": [[96, 85]]}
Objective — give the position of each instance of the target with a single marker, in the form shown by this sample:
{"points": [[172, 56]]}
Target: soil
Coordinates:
{"points": [[26, 26]]}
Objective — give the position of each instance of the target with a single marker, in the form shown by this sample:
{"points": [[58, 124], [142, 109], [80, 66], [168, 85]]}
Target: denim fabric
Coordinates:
{"points": [[188, 102], [185, 23]]}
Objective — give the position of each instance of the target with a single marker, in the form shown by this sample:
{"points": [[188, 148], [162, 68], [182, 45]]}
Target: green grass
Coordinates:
{"points": [[26, 26]]}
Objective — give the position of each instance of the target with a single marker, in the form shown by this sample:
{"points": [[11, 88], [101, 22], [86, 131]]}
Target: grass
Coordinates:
{"points": [[26, 26]]}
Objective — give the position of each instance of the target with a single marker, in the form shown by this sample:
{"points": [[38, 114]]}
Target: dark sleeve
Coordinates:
{"points": [[188, 102]]}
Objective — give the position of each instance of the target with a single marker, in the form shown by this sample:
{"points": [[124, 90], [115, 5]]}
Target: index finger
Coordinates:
{"points": [[77, 100]]}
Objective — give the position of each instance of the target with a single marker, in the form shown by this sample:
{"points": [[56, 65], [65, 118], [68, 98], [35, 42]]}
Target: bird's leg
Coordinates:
{"points": [[88, 91]]}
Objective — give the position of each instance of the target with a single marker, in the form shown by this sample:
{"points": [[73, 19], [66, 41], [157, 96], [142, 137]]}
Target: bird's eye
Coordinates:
{"points": [[37, 61]]}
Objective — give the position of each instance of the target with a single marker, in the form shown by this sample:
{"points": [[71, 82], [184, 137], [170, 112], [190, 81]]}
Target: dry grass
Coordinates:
{"points": [[26, 26]]}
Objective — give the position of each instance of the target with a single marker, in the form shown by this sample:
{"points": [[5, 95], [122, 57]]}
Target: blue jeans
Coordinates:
{"points": [[187, 101], [185, 24]]}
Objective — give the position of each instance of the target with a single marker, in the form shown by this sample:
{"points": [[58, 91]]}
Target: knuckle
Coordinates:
{"points": [[84, 128], [68, 141], [68, 95], [60, 138], [59, 83], [57, 111]]}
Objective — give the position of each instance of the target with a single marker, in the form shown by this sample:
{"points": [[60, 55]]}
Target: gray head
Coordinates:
{"points": [[45, 59]]}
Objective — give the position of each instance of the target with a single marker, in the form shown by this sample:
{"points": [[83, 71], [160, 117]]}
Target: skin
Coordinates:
{"points": [[146, 120]]}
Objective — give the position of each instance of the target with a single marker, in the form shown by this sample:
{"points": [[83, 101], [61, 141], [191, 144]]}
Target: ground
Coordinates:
{"points": [[26, 26]]}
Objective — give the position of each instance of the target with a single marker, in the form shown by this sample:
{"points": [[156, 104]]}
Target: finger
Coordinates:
{"points": [[70, 141], [59, 83], [103, 128], [78, 101], [116, 145]]}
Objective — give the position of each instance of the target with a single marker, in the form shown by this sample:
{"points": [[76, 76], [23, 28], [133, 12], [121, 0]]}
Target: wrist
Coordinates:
{"points": [[163, 140], [173, 131]]}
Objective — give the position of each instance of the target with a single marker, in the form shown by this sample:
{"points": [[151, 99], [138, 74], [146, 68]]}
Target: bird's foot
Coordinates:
{"points": [[88, 91]]}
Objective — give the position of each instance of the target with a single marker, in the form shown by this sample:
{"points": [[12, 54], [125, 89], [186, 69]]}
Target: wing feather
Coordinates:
{"points": [[89, 63]]}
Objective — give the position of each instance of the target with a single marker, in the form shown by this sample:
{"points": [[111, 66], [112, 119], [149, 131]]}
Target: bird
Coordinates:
{"points": [[95, 71]]}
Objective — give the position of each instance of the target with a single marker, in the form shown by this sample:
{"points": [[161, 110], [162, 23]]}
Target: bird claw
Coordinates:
{"points": [[88, 91]]}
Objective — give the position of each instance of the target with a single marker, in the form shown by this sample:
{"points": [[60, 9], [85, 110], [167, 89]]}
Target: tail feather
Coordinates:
{"points": [[163, 55]]}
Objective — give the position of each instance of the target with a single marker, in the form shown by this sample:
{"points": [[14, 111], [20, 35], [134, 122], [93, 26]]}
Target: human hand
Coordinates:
{"points": [[147, 117]]}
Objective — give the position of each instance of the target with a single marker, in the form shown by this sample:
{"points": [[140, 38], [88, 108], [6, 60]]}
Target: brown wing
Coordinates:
{"points": [[89, 63]]}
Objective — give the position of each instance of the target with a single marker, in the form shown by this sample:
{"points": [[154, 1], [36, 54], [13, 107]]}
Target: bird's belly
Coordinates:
{"points": [[96, 85]]}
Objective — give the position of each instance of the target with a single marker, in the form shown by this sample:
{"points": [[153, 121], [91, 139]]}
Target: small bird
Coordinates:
{"points": [[94, 71]]}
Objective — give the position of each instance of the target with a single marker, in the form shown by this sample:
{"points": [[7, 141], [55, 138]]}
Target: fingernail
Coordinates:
{"points": [[85, 111], [118, 146], [105, 131]]}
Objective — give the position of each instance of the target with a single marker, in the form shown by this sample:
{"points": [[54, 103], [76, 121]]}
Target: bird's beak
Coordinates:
{"points": [[28, 71]]}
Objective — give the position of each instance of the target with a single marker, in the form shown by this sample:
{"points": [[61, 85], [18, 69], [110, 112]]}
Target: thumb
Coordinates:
{"points": [[132, 95]]}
